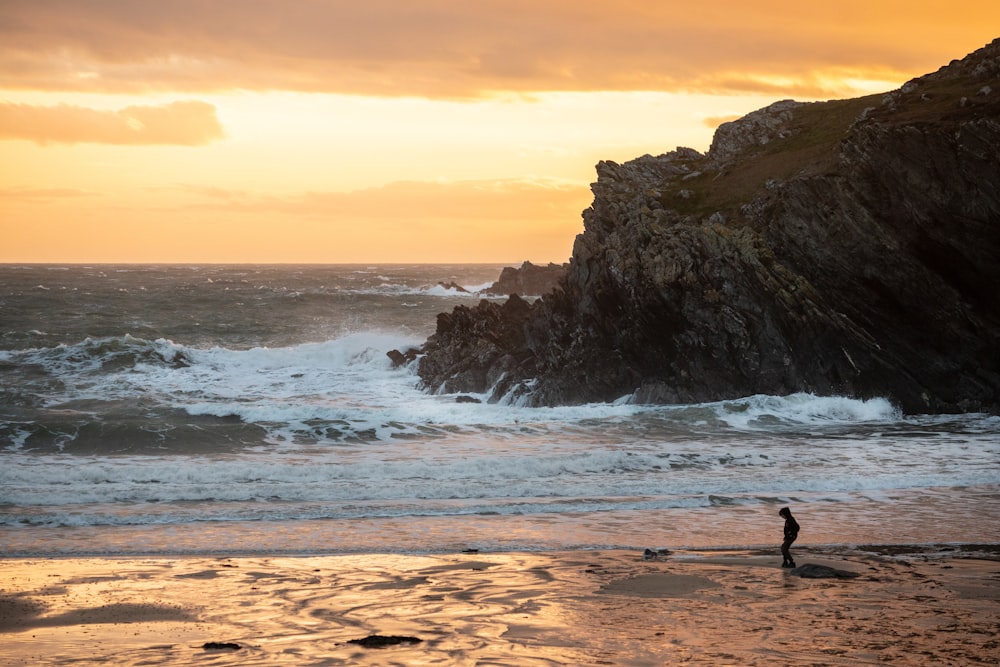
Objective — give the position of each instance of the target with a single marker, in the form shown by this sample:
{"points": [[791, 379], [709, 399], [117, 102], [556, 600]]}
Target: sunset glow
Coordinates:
{"points": [[328, 131]]}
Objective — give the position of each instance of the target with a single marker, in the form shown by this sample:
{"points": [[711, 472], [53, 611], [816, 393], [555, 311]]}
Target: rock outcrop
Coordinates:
{"points": [[847, 247], [527, 280]]}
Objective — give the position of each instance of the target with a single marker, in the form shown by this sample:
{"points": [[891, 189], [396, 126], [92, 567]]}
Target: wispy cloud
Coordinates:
{"points": [[42, 194], [442, 48], [480, 200], [188, 123]]}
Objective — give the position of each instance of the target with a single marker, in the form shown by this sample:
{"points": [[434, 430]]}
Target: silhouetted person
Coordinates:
{"points": [[791, 532]]}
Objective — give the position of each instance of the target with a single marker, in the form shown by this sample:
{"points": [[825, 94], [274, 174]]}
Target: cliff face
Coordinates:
{"points": [[848, 247]]}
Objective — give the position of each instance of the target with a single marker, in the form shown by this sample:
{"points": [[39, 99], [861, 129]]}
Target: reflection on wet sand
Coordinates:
{"points": [[566, 608]]}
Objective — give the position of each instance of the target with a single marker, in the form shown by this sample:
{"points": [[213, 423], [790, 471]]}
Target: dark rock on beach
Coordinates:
{"points": [[382, 641], [847, 247], [813, 571], [221, 646]]}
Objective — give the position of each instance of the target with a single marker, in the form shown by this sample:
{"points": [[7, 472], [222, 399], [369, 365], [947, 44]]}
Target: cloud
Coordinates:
{"points": [[42, 194], [459, 201], [189, 123], [455, 200], [447, 48]]}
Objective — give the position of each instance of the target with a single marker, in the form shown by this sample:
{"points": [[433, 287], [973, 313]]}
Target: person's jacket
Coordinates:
{"points": [[791, 528]]}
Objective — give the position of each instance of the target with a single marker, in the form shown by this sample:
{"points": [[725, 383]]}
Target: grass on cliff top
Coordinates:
{"points": [[936, 99], [816, 130]]}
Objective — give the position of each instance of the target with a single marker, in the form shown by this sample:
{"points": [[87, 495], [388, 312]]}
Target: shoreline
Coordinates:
{"points": [[964, 549], [905, 604]]}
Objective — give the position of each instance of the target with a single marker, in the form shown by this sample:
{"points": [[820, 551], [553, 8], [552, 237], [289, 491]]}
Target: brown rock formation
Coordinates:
{"points": [[845, 247]]}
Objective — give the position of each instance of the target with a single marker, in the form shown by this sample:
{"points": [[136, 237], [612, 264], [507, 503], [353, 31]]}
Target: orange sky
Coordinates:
{"points": [[395, 131]]}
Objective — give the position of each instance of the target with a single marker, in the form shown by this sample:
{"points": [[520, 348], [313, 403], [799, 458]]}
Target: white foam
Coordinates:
{"points": [[763, 411], [341, 388]]}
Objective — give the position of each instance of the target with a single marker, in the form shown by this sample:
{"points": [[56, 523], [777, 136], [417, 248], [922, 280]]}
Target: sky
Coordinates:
{"points": [[396, 131]]}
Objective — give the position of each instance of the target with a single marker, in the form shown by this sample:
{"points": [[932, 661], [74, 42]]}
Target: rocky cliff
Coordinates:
{"points": [[527, 280], [846, 247]]}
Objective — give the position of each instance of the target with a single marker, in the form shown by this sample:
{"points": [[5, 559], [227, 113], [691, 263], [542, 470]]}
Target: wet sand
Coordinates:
{"points": [[906, 606]]}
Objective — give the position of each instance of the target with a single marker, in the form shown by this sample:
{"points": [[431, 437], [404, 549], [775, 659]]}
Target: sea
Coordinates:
{"points": [[252, 410]]}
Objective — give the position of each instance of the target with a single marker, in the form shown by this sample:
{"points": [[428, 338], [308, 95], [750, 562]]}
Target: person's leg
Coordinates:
{"points": [[786, 554]]}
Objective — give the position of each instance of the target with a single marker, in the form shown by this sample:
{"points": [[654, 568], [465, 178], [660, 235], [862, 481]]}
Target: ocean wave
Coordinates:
{"points": [[98, 513], [466, 472], [763, 411], [158, 393], [98, 354]]}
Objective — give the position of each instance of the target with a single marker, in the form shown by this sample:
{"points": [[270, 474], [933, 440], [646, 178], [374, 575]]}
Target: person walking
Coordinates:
{"points": [[791, 533]]}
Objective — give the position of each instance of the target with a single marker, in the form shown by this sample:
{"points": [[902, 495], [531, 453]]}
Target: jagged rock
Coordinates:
{"points": [[528, 280], [758, 128], [453, 286], [845, 247], [402, 358], [476, 346]]}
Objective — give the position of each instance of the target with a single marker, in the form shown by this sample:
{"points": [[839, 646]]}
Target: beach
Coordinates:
{"points": [[891, 605]]}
